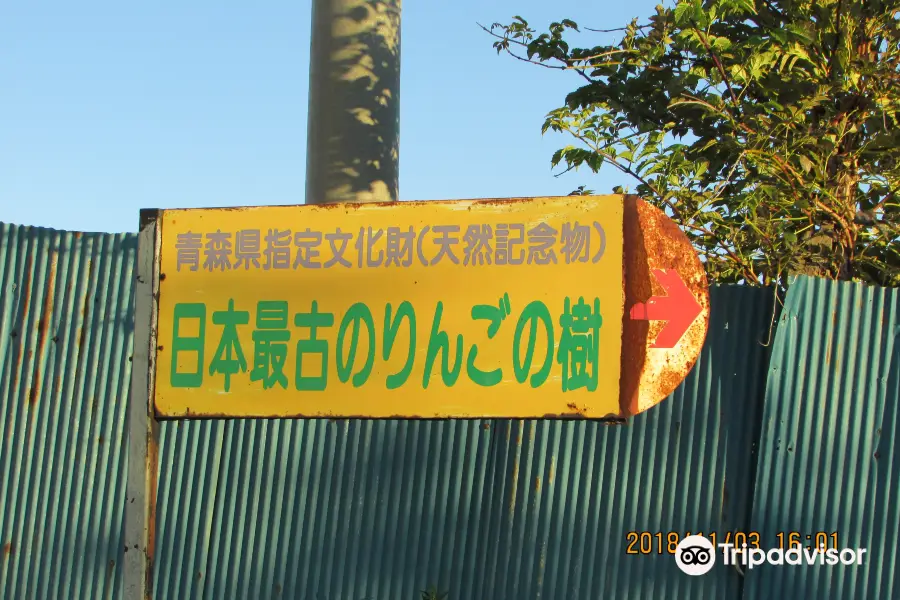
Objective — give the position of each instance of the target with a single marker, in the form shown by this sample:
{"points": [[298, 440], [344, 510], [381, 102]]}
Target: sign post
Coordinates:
{"points": [[567, 307], [587, 307], [143, 430]]}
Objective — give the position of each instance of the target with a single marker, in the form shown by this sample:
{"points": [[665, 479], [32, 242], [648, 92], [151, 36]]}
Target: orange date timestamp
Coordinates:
{"points": [[650, 542]]}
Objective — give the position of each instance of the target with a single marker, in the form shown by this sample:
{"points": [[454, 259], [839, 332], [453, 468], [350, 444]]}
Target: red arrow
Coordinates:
{"points": [[678, 307]]}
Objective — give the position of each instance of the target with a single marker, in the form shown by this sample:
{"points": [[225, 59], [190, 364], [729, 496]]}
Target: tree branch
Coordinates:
{"points": [[505, 38], [617, 29], [719, 66]]}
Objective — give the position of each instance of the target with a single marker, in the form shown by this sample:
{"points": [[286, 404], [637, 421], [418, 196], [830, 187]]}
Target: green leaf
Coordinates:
{"points": [[721, 44], [683, 11], [699, 14]]}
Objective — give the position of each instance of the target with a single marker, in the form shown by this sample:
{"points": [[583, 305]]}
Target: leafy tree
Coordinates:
{"points": [[767, 129]]}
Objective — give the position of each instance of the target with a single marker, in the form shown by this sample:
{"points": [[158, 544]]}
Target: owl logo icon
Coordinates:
{"points": [[695, 555]]}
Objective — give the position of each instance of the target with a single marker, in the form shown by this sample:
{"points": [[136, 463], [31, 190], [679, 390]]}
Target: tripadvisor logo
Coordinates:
{"points": [[696, 555]]}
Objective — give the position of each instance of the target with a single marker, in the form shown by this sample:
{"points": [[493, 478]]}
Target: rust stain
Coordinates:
{"points": [[582, 411], [500, 201], [84, 305], [542, 565], [82, 331], [25, 295], [152, 459], [485, 425], [26, 291], [565, 416], [653, 241], [44, 321], [638, 287], [514, 486], [232, 209], [8, 548], [18, 367], [537, 484], [552, 470]]}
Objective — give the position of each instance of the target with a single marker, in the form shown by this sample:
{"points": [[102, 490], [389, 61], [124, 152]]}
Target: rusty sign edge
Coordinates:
{"points": [[653, 241]]}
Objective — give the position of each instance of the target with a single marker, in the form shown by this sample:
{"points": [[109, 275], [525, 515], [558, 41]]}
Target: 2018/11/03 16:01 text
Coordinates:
{"points": [[650, 542]]}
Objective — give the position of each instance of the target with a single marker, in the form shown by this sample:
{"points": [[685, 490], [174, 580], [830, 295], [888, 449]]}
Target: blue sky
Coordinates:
{"points": [[110, 107]]}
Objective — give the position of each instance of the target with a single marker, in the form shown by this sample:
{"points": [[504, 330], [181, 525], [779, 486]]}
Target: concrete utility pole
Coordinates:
{"points": [[353, 134]]}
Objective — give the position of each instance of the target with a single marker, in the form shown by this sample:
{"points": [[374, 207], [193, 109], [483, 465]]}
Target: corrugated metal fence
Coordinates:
{"points": [[829, 459], [801, 438]]}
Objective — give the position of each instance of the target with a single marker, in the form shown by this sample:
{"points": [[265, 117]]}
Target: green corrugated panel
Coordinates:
{"points": [[486, 509], [65, 339], [319, 509], [830, 460]]}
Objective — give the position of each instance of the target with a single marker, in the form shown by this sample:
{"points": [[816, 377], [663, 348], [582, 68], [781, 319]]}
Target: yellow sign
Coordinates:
{"points": [[501, 308]]}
